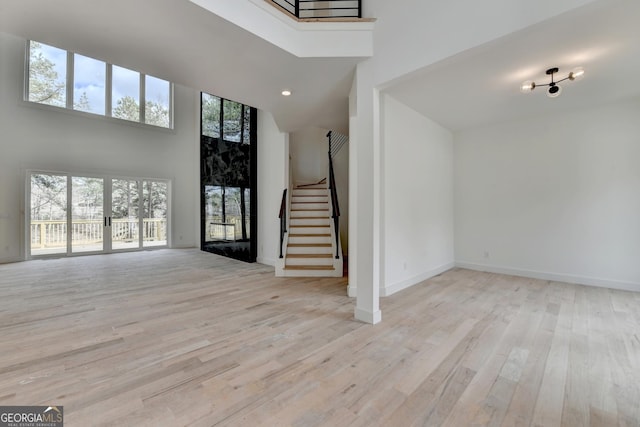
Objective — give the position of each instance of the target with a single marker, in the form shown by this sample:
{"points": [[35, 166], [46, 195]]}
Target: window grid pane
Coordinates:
{"points": [[125, 94], [231, 126], [157, 101], [48, 214], [89, 77], [47, 74], [210, 115]]}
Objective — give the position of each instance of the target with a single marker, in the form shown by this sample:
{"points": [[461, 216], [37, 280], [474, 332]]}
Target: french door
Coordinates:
{"points": [[75, 214]]}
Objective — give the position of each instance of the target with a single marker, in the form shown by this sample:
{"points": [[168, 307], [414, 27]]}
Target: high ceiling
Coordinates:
{"points": [[481, 86], [178, 41]]}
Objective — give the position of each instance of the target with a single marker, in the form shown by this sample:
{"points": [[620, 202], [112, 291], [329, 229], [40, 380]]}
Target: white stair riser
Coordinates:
{"points": [[316, 199], [313, 239], [309, 250], [318, 206], [309, 230], [310, 273], [309, 261], [309, 221], [318, 212], [310, 192]]}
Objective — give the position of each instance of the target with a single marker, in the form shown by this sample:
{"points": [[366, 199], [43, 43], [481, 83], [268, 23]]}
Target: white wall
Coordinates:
{"points": [[52, 139], [417, 33], [408, 37], [554, 197], [308, 148], [417, 175], [273, 178]]}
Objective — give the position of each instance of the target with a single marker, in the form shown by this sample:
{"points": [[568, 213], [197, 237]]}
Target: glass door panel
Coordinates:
{"points": [[154, 208], [125, 214], [87, 214], [48, 214], [73, 215]]}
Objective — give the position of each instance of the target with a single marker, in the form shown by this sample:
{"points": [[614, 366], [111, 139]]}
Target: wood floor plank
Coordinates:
{"points": [[187, 338]]}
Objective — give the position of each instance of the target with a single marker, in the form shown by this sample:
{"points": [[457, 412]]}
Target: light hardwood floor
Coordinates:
{"points": [[182, 337]]}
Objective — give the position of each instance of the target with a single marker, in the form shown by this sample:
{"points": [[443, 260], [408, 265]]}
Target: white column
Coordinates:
{"points": [[362, 280]]}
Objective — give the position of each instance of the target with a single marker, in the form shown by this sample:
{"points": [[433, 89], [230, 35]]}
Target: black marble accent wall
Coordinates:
{"points": [[228, 165]]}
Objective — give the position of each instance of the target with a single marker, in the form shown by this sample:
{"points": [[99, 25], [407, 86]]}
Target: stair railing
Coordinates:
{"points": [[283, 219], [335, 214], [302, 9]]}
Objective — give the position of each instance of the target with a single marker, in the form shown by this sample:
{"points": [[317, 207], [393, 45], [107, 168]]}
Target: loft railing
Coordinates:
{"points": [[335, 213], [337, 141], [308, 9], [283, 219]]}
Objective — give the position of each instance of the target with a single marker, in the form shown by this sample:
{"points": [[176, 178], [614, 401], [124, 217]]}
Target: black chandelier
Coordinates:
{"points": [[554, 89]]}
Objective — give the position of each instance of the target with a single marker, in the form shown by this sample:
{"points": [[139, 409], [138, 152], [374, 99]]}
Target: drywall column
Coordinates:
{"points": [[361, 197], [273, 177]]}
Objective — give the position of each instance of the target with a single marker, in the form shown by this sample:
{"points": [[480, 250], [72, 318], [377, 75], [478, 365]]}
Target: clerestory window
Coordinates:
{"points": [[69, 80]]}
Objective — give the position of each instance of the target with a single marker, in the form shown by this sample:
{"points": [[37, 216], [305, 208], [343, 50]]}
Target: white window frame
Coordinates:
{"points": [[108, 245], [108, 90]]}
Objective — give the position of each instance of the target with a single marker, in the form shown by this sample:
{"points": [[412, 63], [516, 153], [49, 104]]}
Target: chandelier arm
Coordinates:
{"points": [[555, 82]]}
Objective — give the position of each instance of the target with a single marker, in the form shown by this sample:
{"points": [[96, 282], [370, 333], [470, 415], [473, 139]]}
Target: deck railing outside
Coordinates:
{"points": [[52, 234], [228, 230]]}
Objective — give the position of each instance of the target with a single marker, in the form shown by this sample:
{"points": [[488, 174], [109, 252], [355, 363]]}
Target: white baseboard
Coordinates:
{"points": [[556, 277], [266, 261], [398, 286], [367, 316], [352, 291], [10, 260]]}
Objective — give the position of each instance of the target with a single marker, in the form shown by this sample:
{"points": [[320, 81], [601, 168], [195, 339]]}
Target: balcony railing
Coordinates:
{"points": [[309, 9], [53, 234]]}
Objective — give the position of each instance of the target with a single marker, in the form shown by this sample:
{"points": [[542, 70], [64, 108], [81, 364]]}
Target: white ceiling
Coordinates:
{"points": [[482, 86], [178, 41]]}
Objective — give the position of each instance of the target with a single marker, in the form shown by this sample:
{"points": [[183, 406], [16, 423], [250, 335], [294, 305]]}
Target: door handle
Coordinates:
{"points": [[109, 221], [105, 221]]}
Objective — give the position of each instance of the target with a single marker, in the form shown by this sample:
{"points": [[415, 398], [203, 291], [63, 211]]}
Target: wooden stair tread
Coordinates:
{"points": [[309, 235], [309, 245], [308, 203], [311, 195], [309, 267], [308, 210], [310, 226], [311, 217]]}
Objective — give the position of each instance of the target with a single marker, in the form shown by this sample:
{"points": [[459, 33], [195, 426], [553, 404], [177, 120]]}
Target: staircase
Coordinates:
{"points": [[310, 242]]}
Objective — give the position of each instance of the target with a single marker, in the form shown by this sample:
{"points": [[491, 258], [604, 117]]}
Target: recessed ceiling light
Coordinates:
{"points": [[286, 92]]}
